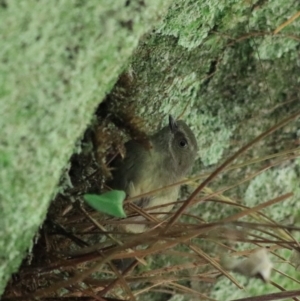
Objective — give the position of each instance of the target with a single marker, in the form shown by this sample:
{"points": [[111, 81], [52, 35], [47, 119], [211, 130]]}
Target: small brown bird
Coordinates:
{"points": [[169, 159]]}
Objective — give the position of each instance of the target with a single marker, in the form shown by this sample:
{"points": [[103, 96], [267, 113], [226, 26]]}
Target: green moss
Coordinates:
{"points": [[218, 64], [57, 62]]}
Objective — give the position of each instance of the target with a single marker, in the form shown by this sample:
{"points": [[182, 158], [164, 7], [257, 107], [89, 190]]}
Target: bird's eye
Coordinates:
{"points": [[183, 143]]}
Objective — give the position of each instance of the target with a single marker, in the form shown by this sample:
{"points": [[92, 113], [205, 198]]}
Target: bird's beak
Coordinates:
{"points": [[172, 124]]}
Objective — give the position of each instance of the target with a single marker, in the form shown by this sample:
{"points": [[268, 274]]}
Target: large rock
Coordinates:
{"points": [[57, 62]]}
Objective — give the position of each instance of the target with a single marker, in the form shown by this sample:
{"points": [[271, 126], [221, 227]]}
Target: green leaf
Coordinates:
{"points": [[110, 202]]}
